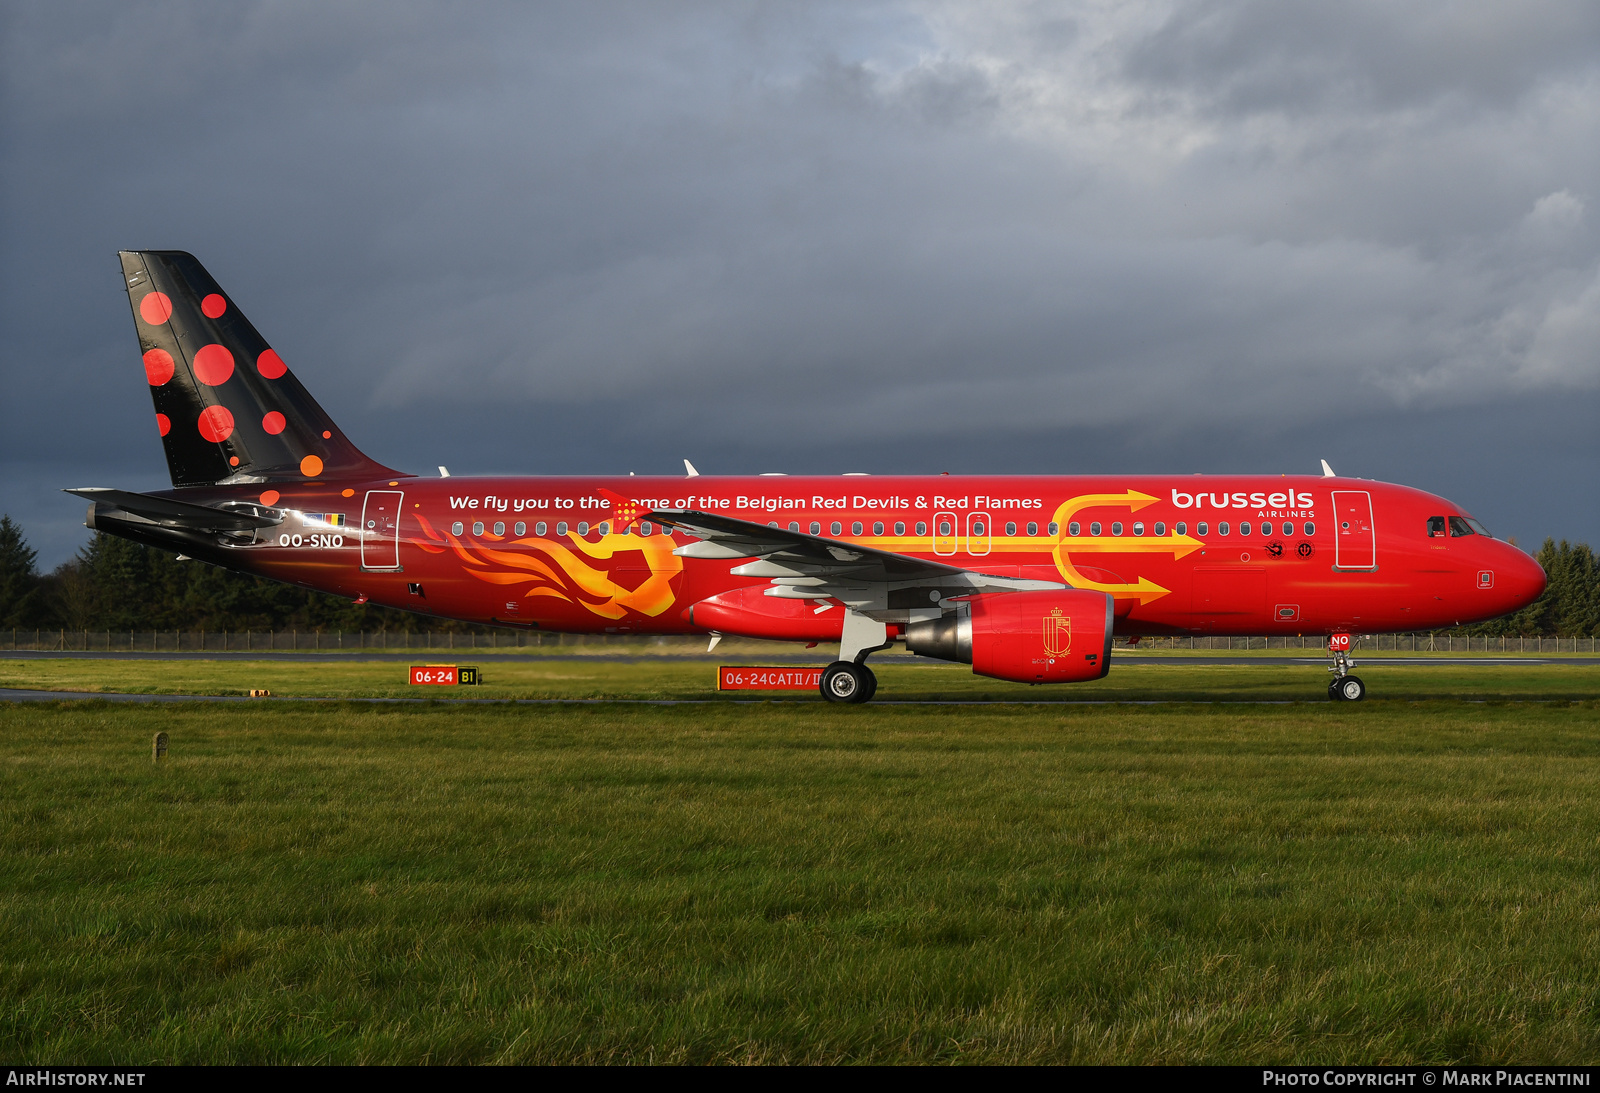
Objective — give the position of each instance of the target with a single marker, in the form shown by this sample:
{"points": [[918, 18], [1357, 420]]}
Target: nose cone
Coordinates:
{"points": [[1524, 579]]}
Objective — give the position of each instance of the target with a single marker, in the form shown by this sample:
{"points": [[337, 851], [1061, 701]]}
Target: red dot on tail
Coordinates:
{"points": [[164, 423], [216, 424], [213, 306], [270, 365], [270, 497], [155, 308], [158, 366], [213, 364], [273, 422]]}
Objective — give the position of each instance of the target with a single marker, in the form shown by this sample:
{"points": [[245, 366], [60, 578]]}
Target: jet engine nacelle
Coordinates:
{"points": [[1026, 637]]}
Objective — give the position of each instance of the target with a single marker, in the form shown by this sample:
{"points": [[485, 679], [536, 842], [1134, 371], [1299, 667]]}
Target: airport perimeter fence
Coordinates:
{"points": [[349, 641]]}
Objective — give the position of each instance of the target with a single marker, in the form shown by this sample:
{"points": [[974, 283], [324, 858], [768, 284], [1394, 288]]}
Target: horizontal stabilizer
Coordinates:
{"points": [[178, 514]]}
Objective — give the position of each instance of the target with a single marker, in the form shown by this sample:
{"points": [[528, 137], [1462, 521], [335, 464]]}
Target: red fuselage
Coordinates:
{"points": [[1179, 555]]}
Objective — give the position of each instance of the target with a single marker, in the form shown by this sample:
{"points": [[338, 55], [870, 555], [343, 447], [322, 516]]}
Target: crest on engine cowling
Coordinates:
{"points": [[1057, 633]]}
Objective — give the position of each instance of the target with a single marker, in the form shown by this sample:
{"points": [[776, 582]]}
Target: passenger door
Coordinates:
{"points": [[1354, 542], [380, 529]]}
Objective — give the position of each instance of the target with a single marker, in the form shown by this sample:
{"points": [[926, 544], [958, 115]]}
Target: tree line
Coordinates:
{"points": [[115, 584]]}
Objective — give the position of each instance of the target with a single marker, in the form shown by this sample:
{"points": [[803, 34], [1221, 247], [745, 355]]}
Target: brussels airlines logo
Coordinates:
{"points": [[1287, 500], [1057, 634]]}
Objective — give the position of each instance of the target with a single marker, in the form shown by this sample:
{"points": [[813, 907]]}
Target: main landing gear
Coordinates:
{"points": [[844, 681], [1343, 687]]}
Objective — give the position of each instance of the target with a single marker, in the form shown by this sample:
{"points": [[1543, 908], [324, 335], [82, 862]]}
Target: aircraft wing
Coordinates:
{"points": [[811, 567]]}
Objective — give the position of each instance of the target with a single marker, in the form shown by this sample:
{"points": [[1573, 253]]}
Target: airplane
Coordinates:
{"points": [[1025, 577]]}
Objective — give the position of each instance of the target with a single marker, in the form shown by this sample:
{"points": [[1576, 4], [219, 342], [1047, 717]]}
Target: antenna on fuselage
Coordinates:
{"points": [[690, 468], [1327, 471]]}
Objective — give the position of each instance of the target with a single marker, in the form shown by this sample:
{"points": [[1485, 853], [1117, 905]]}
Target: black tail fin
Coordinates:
{"points": [[228, 409]]}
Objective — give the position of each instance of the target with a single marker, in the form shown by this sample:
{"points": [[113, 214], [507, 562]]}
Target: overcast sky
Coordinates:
{"points": [[1118, 236]]}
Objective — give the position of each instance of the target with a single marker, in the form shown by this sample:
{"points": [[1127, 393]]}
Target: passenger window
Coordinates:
{"points": [[499, 527], [1116, 527], [1138, 527], [1180, 528], [1074, 529], [1222, 528], [477, 527], [816, 528], [1310, 529], [1011, 528], [922, 528], [944, 527], [899, 527], [457, 528], [1033, 527], [836, 528], [855, 528], [583, 527], [1436, 527], [1202, 528], [977, 528], [1459, 529], [1244, 529], [794, 525], [644, 528], [540, 528], [1055, 528], [521, 528], [877, 527], [1094, 527], [1288, 528], [561, 528], [1161, 528]]}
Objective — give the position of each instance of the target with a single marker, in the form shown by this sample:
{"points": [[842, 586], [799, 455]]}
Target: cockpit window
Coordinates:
{"points": [[1477, 527], [1460, 529], [1436, 527]]}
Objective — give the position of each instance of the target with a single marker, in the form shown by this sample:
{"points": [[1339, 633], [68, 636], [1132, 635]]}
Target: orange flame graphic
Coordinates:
{"points": [[549, 567]]}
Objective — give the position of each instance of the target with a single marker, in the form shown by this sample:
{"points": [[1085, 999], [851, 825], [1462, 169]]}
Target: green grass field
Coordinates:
{"points": [[1412, 878], [906, 680]]}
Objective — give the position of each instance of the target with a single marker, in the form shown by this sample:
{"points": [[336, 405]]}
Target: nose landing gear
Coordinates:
{"points": [[1344, 687]]}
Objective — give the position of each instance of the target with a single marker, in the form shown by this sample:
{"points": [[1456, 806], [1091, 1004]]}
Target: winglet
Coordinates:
{"points": [[1327, 471], [690, 468]]}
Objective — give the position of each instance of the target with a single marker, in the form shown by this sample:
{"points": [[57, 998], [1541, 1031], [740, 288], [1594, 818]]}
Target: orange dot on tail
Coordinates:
{"points": [[164, 423], [155, 308], [216, 424], [270, 497], [348, 493], [158, 367], [213, 306], [326, 435], [270, 365], [311, 466], [273, 422], [233, 461]]}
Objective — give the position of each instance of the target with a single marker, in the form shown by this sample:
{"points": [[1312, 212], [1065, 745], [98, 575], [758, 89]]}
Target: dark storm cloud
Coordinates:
{"points": [[850, 237]]}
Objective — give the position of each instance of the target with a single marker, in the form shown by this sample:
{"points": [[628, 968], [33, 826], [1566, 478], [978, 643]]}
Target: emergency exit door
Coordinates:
{"points": [[1353, 541], [380, 529]]}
